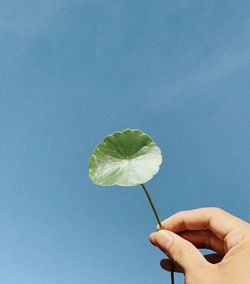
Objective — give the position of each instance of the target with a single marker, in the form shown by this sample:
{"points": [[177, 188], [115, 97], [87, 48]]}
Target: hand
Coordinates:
{"points": [[210, 228]]}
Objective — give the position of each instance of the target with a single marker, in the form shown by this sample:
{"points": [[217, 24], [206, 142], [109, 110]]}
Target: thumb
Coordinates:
{"points": [[181, 251]]}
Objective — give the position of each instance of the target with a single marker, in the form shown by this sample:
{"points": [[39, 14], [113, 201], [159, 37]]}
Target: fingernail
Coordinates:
{"points": [[164, 239]]}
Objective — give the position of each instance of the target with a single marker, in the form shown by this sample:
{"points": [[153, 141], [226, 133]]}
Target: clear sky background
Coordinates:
{"points": [[74, 71]]}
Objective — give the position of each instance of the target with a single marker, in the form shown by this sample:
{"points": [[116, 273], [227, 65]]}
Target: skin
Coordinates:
{"points": [[212, 228]]}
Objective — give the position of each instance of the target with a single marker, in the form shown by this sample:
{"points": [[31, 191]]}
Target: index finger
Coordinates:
{"points": [[216, 220]]}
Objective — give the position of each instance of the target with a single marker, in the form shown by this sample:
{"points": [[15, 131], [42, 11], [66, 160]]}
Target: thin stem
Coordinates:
{"points": [[160, 225], [152, 205], [172, 272]]}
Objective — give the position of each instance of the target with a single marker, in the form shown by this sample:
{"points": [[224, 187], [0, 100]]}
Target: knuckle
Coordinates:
{"points": [[182, 215], [236, 237], [214, 210], [182, 212], [178, 214]]}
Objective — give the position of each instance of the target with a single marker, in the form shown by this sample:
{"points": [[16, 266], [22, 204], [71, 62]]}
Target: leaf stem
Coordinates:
{"points": [[152, 205], [159, 222]]}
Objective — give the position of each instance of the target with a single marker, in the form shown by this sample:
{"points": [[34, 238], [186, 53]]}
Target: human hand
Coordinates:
{"points": [[210, 228]]}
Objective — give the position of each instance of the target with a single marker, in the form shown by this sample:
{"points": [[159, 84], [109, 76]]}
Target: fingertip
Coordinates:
{"points": [[152, 238], [164, 239], [164, 264], [168, 265]]}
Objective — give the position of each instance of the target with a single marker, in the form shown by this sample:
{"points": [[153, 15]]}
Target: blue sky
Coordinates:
{"points": [[72, 72]]}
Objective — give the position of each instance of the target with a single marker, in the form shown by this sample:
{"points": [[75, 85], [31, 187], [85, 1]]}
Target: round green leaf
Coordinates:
{"points": [[125, 158]]}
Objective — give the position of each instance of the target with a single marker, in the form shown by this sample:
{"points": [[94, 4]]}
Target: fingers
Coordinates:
{"points": [[166, 264], [214, 219], [204, 239], [179, 250]]}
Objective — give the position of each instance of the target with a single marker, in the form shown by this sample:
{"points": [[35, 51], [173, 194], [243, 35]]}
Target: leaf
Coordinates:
{"points": [[125, 158]]}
